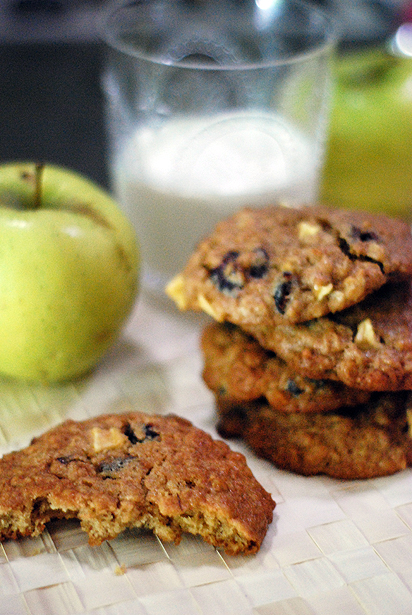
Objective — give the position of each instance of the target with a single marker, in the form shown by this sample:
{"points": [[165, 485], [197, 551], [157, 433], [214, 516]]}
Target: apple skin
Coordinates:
{"points": [[69, 273], [369, 152]]}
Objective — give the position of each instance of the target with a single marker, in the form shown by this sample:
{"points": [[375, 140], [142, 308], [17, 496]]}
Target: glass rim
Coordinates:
{"points": [[112, 37]]}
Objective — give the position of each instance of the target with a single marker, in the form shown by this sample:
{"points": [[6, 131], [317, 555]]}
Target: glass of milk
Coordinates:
{"points": [[212, 105]]}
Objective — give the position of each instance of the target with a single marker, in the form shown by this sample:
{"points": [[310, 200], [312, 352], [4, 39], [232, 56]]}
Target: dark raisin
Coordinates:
{"points": [[357, 233], [319, 384], [260, 266], [113, 465], [282, 292], [128, 431], [65, 460], [405, 428], [325, 225], [293, 388], [150, 433], [345, 247], [227, 277]]}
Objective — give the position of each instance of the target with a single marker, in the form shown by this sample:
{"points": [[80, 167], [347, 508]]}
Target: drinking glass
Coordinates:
{"points": [[212, 105]]}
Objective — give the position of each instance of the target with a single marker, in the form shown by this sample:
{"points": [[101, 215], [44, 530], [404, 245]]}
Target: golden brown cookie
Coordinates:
{"points": [[367, 346], [236, 365], [277, 265], [354, 443], [134, 470]]}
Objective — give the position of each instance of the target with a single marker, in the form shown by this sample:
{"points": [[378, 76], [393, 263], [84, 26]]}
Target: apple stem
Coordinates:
{"points": [[38, 185]]}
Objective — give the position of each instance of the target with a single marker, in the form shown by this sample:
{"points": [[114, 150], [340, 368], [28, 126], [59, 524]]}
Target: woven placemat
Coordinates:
{"points": [[334, 547]]}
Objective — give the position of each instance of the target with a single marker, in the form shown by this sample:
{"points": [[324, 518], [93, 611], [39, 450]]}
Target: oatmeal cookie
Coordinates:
{"points": [[237, 366], [134, 470], [367, 346], [277, 265], [352, 443]]}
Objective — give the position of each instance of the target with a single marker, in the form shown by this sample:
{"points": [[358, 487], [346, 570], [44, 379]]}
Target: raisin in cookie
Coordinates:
{"points": [[275, 265], [134, 470], [367, 441], [237, 366], [367, 346]]}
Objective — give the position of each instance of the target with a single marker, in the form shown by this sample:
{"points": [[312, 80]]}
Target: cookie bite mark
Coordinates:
{"points": [[119, 471]]}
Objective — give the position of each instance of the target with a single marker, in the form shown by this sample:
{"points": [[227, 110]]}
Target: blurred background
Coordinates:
{"points": [[50, 97], [51, 105]]}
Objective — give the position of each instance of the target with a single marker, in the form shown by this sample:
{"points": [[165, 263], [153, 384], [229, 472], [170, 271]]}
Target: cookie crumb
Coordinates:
{"points": [[120, 570]]}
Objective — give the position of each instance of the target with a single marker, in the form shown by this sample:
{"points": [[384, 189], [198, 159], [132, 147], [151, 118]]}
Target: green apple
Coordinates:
{"points": [[69, 269], [369, 154]]}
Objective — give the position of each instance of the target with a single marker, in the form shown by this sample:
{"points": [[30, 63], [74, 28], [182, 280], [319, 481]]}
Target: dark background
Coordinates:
{"points": [[51, 106]]}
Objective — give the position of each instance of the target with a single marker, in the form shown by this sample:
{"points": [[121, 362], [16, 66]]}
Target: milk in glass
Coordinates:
{"points": [[176, 180]]}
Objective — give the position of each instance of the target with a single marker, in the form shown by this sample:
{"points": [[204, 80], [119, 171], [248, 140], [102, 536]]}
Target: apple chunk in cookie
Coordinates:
{"points": [[69, 268], [134, 470]]}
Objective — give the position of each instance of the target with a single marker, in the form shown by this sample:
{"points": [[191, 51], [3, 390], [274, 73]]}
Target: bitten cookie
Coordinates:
{"points": [[134, 470], [235, 365], [271, 266], [367, 346], [356, 443]]}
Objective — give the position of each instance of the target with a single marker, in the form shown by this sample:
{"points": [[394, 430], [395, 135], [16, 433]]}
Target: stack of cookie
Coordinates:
{"points": [[309, 353]]}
